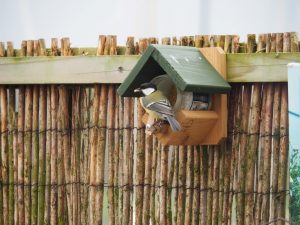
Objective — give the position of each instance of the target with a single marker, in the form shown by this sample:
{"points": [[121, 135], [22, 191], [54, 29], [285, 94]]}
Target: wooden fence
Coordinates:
{"points": [[78, 154]]}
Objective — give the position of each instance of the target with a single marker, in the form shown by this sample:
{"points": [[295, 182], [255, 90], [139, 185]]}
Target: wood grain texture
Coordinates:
{"points": [[196, 177], [128, 106], [217, 58], [269, 67], [48, 159], [181, 184], [242, 67], [42, 152], [100, 160], [111, 146], [27, 153], [53, 161], [2, 49], [35, 156], [20, 150], [163, 185], [189, 186], [147, 178], [140, 165], [4, 152], [12, 156], [64, 70]]}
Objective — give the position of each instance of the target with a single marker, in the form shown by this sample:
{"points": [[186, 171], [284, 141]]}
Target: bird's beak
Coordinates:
{"points": [[137, 90]]}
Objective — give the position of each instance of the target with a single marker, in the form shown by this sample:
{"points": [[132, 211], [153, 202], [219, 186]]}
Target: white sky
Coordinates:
{"points": [[84, 20]]}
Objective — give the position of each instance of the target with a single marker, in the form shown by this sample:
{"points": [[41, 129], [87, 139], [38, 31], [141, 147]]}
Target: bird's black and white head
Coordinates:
{"points": [[146, 89]]}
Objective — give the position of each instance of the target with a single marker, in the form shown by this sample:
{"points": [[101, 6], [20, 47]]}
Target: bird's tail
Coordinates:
{"points": [[175, 126]]}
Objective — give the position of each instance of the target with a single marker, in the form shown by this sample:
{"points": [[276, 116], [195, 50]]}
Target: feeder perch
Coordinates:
{"points": [[187, 74]]}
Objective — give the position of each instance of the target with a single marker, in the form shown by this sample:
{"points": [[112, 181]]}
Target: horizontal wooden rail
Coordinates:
{"points": [[259, 67], [255, 67], [65, 70]]}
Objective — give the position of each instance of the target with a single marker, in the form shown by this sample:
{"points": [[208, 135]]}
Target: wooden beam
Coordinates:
{"points": [[65, 70], [259, 67], [255, 67]]}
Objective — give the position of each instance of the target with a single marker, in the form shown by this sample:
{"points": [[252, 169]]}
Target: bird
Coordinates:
{"points": [[156, 105]]}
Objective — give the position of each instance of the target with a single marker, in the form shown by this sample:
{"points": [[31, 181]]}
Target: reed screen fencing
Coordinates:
{"points": [[78, 154]]}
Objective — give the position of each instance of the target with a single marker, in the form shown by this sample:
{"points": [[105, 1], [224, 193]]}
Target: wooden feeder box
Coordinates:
{"points": [[191, 70]]}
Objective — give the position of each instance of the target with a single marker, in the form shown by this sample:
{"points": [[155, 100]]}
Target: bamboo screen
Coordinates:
{"points": [[78, 154]]}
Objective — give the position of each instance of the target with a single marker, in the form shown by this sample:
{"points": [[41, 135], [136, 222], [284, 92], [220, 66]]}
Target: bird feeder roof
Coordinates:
{"points": [[186, 66]]}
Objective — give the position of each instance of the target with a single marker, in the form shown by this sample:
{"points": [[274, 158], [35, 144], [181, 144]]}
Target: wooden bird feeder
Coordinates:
{"points": [[201, 71]]}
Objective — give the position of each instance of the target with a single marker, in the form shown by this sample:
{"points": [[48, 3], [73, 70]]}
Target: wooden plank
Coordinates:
{"points": [[217, 58], [268, 67], [66, 70]]}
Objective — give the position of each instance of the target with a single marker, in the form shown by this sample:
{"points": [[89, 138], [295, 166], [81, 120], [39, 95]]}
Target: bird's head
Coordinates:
{"points": [[146, 89]]}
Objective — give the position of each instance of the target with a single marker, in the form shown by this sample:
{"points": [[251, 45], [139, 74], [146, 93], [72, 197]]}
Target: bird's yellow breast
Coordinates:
{"points": [[151, 113]]}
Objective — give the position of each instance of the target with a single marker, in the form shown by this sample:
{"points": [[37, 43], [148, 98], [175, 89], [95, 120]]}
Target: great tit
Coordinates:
{"points": [[157, 106]]}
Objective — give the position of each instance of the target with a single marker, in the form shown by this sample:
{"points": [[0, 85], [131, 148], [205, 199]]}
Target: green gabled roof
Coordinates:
{"points": [[186, 66]]}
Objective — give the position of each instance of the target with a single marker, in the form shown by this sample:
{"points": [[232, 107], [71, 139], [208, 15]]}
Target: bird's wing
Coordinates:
{"points": [[162, 107]]}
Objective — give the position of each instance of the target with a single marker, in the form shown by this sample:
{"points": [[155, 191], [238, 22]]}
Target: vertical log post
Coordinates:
{"points": [[267, 139], [221, 189], [163, 185], [27, 153], [215, 185], [84, 153], [20, 150], [169, 188], [42, 152], [2, 49], [42, 142], [128, 106], [181, 185], [261, 47], [283, 142], [35, 156], [175, 183], [157, 184], [189, 186], [236, 102], [196, 181], [127, 150], [252, 141], [60, 161], [61, 189], [153, 180], [4, 152], [275, 143], [230, 157], [276, 45], [140, 165], [121, 154], [111, 140], [101, 146], [147, 179], [198, 41], [12, 137], [210, 168], [66, 149], [203, 184], [48, 159], [246, 93], [53, 201], [283, 155], [28, 143], [111, 146], [93, 156], [117, 172], [75, 153]]}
